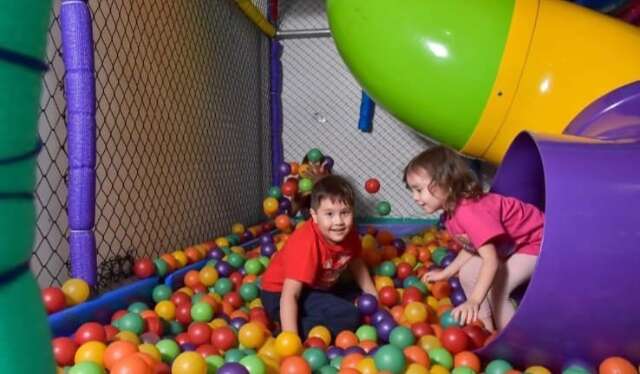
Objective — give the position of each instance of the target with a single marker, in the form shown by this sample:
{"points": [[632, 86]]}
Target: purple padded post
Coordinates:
{"points": [[77, 43], [275, 101]]}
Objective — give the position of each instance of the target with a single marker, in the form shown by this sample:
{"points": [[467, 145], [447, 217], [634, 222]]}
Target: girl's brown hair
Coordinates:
{"points": [[448, 171]]}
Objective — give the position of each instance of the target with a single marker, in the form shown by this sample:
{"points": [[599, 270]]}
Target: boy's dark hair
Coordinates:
{"points": [[449, 171], [335, 188]]}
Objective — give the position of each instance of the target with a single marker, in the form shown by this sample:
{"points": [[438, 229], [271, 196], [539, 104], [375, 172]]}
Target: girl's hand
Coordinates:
{"points": [[466, 312], [434, 276]]}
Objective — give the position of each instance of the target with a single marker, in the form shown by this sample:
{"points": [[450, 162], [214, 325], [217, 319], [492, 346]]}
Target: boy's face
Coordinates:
{"points": [[334, 219]]}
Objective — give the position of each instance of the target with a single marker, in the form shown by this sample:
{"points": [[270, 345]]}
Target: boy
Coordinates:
{"points": [[297, 285]]}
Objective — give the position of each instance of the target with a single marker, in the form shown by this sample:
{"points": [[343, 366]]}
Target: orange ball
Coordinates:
{"points": [[283, 223], [295, 365], [351, 360], [418, 355], [469, 359], [295, 168], [440, 289], [117, 351], [616, 365], [130, 365], [192, 279], [346, 339], [385, 237]]}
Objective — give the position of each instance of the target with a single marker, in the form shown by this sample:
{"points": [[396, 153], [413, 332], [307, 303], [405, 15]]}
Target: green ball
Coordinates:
{"points": [[383, 208], [327, 370], [234, 355], [168, 349], [197, 297], [264, 260], [274, 191], [161, 292], [388, 269], [336, 362], [441, 357], [235, 260], [253, 266], [463, 370], [447, 320], [498, 367], [410, 281], [367, 332], [226, 250], [390, 358], [223, 286], [438, 255], [305, 185], [401, 337], [422, 287], [233, 239], [202, 312], [161, 266], [137, 307], [131, 322], [86, 367], [254, 364], [175, 327], [314, 155], [575, 369], [315, 357], [249, 291], [214, 362]]}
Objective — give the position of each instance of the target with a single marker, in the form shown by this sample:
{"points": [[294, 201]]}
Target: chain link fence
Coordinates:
{"points": [[182, 132]]}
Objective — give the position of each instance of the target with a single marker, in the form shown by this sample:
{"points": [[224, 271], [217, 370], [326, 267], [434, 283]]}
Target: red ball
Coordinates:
{"points": [[199, 333], [289, 188], [315, 342], [477, 335], [53, 299], [161, 368], [207, 350], [411, 294], [110, 331], [388, 296], [234, 299], [420, 329], [183, 338], [64, 350], [236, 279], [144, 268], [90, 331], [454, 340], [183, 314], [295, 365], [372, 185], [178, 298], [223, 338], [403, 270], [155, 325], [118, 314]]}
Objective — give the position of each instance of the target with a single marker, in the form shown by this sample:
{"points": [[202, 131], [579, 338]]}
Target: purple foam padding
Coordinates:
{"points": [[275, 101], [614, 116], [77, 44], [582, 301], [82, 256]]}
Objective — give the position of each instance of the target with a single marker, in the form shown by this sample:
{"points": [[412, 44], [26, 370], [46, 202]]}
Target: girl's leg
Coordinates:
{"points": [[468, 278], [515, 271]]}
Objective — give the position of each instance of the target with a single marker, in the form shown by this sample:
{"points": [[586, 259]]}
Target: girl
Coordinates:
{"points": [[500, 235]]}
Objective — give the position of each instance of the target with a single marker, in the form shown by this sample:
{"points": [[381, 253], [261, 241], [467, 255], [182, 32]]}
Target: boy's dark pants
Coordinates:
{"points": [[333, 309]]}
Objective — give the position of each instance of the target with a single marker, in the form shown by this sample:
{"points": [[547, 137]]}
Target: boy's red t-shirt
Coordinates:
{"points": [[308, 257]]}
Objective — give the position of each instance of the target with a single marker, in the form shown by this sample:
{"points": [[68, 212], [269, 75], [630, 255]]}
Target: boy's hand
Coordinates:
{"points": [[466, 312], [434, 276]]}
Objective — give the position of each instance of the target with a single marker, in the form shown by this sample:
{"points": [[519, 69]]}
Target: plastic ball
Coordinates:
{"points": [[447, 320], [252, 335], [199, 333], [454, 339], [90, 331], [616, 365], [131, 322], [328, 163], [468, 359], [315, 357], [64, 350], [223, 338], [383, 208], [315, 155], [290, 188], [253, 364], [441, 357], [168, 349], [384, 328], [143, 268], [387, 269], [86, 368], [75, 291], [270, 206], [320, 332], [388, 296], [90, 351], [117, 351], [274, 191], [367, 304], [498, 367], [253, 266], [284, 169], [401, 337], [283, 223], [415, 312], [390, 358], [161, 292], [367, 332], [53, 299], [421, 329], [372, 185], [305, 185], [234, 355], [458, 297], [249, 291], [223, 286], [288, 344], [232, 368], [189, 363]]}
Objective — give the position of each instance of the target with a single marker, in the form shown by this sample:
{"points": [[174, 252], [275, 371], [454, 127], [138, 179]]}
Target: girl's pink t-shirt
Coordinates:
{"points": [[510, 224]]}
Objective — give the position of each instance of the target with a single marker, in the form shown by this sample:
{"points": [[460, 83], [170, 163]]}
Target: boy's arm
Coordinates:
{"points": [[361, 274], [289, 304]]}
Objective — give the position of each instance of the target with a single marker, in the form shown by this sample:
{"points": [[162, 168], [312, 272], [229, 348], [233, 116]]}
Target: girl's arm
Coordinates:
{"points": [[487, 272], [289, 296], [362, 277], [437, 275]]}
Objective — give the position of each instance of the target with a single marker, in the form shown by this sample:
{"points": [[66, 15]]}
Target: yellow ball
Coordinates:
{"points": [[416, 369], [90, 351], [444, 301], [186, 290], [165, 309], [151, 350], [415, 312], [369, 242], [270, 205], [410, 259], [382, 281], [268, 350], [288, 344], [417, 240], [272, 365], [367, 366], [237, 229], [251, 335], [255, 303], [128, 336], [237, 249], [438, 369], [189, 363], [208, 276], [432, 302], [279, 245], [222, 242], [428, 342], [537, 370], [320, 332], [75, 291], [218, 322], [181, 258]]}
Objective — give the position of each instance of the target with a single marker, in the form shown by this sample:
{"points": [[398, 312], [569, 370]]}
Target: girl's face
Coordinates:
{"points": [[430, 198]]}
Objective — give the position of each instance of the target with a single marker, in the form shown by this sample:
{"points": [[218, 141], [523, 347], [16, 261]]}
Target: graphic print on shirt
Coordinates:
{"points": [[331, 270]]}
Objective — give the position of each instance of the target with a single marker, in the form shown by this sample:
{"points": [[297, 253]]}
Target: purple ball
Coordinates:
{"points": [[367, 304], [333, 352], [380, 316], [187, 347], [354, 349], [373, 351], [150, 337], [284, 169], [399, 244], [242, 271], [237, 322], [328, 163], [397, 283], [246, 236], [224, 268], [454, 283], [284, 206], [384, 329], [216, 254], [457, 297], [266, 238], [447, 261], [232, 368], [268, 249]]}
